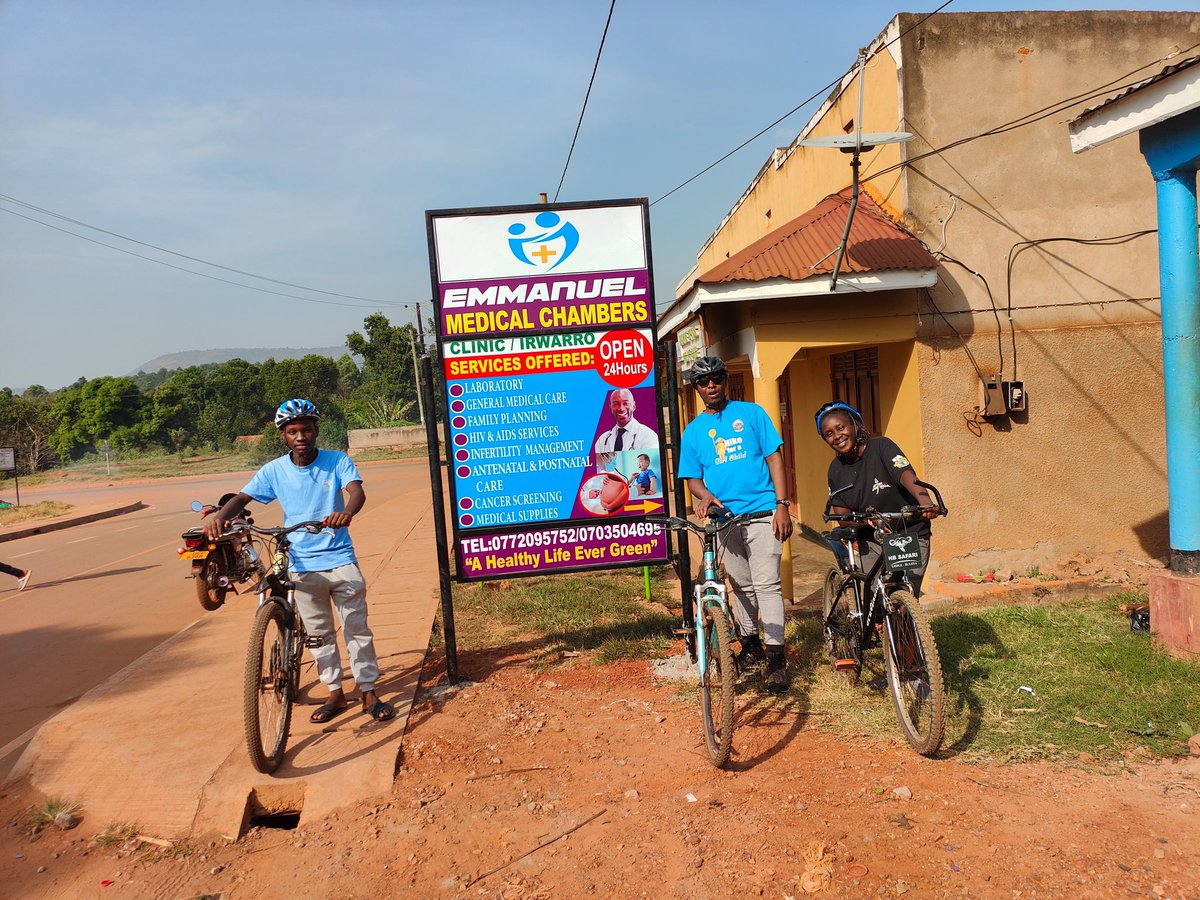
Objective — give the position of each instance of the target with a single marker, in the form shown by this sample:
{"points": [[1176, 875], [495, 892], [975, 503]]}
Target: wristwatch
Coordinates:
{"points": [[786, 503]]}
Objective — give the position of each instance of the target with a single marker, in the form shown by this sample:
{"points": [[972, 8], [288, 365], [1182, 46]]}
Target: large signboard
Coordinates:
{"points": [[546, 337]]}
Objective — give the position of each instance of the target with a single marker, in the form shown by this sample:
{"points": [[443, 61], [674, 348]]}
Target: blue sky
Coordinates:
{"points": [[304, 140]]}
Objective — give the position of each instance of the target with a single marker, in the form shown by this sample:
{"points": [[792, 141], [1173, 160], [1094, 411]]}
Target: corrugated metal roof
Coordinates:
{"points": [[807, 246], [1165, 73]]}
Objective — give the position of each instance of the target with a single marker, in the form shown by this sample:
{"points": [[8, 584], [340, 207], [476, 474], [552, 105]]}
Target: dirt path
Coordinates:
{"points": [[602, 769]]}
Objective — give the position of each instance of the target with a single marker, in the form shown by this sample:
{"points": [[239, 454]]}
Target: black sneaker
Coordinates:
{"points": [[751, 658], [777, 680]]}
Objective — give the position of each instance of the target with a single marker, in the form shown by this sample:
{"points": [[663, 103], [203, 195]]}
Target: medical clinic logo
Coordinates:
{"points": [[548, 248]]}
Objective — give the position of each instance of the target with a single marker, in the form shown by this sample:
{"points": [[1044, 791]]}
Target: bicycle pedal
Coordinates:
{"points": [[314, 642], [842, 665]]}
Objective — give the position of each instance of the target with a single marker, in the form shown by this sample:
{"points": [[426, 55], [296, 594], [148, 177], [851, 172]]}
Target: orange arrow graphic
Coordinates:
{"points": [[645, 506]]}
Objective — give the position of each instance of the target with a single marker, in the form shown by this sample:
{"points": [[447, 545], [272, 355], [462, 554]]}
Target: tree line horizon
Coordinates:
{"points": [[207, 407]]}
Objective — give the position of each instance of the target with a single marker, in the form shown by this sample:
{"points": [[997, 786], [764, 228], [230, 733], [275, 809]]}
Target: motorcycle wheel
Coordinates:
{"points": [[210, 597]]}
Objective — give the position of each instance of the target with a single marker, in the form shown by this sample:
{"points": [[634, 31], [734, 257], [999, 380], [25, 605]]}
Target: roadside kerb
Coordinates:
{"points": [[58, 524], [161, 741]]}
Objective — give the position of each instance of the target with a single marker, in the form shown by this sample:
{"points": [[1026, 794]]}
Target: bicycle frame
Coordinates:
{"points": [[711, 589], [869, 614]]}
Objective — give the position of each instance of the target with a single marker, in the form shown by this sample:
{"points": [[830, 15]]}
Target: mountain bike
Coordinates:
{"points": [[710, 644], [277, 640], [863, 609]]}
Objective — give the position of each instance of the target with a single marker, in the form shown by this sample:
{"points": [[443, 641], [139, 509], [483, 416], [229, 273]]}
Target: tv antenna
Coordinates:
{"points": [[855, 145]]}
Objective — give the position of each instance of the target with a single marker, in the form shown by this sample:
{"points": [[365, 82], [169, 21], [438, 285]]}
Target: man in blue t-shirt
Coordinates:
{"points": [[730, 455], [308, 483]]}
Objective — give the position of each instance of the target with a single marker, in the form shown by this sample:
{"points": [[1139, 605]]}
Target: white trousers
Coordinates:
{"points": [[343, 589], [752, 563]]}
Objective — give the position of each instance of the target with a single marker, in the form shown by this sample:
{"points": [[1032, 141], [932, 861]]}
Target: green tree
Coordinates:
{"points": [[101, 409], [387, 352], [25, 425], [235, 403], [173, 414]]}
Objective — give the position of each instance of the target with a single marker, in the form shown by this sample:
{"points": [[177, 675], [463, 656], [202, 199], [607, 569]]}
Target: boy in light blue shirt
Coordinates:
{"points": [[309, 484]]}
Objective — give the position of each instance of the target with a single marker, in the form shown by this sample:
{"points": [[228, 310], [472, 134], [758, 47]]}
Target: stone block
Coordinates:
{"points": [[1175, 614]]}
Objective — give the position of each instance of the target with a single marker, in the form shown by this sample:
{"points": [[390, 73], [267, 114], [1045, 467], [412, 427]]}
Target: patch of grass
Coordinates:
{"points": [[377, 453], [1097, 688], [47, 509], [602, 612], [117, 834], [143, 465], [47, 812]]}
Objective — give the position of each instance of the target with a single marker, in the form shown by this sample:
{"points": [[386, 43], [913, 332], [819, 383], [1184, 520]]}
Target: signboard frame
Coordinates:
{"points": [[650, 326], [8, 459]]}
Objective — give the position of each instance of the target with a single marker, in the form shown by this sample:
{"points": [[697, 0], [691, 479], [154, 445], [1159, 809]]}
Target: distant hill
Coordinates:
{"points": [[249, 354]]}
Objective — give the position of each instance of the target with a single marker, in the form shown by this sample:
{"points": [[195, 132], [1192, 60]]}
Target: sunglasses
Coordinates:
{"points": [[706, 380]]}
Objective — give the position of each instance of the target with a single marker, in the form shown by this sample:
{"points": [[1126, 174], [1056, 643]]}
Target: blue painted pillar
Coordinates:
{"points": [[1172, 150]]}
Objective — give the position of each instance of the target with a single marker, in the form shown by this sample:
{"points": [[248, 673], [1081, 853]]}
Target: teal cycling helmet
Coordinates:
{"points": [[839, 406], [291, 410]]}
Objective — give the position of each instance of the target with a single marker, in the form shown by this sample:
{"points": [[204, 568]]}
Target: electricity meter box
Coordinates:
{"points": [[1014, 395], [991, 400]]}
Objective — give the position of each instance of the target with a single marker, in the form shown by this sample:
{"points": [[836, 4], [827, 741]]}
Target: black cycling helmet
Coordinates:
{"points": [[706, 365], [839, 406], [293, 409]]}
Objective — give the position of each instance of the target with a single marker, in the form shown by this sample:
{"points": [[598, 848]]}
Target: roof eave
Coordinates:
{"points": [[703, 294], [1137, 110]]}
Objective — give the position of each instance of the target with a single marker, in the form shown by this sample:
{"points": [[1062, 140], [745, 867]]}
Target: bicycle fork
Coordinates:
{"points": [[707, 593]]}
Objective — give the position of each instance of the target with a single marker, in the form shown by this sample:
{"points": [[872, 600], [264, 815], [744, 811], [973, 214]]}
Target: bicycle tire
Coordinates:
{"points": [[914, 673], [843, 634], [210, 597], [716, 685], [267, 689]]}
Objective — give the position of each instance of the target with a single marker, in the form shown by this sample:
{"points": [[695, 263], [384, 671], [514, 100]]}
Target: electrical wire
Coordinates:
{"points": [[1021, 246], [995, 311], [161, 262], [794, 109], [49, 212], [958, 334], [588, 94]]}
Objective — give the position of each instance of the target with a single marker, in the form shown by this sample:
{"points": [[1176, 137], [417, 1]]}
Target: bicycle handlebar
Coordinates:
{"points": [[906, 513], [714, 524], [310, 527]]}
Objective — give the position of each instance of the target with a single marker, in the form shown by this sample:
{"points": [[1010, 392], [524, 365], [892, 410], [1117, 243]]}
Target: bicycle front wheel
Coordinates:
{"points": [[267, 689], [716, 684], [914, 673]]}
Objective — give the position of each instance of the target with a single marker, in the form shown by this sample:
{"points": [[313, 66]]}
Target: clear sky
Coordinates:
{"points": [[304, 140]]}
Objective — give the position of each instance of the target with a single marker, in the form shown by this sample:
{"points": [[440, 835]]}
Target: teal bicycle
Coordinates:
{"points": [[710, 641]]}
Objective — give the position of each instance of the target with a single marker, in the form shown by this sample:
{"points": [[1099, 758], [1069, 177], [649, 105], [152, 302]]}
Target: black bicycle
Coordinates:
{"points": [[863, 609], [273, 658]]}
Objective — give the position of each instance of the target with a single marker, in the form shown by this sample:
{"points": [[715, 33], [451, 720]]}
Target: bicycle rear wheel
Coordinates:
{"points": [[914, 673], [267, 688], [716, 684], [843, 631]]}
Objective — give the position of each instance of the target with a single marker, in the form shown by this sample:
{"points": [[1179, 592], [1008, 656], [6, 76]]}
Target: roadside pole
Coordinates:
{"points": [[683, 556], [439, 521]]}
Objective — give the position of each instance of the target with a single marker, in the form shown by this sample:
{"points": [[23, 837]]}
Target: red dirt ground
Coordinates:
{"points": [[593, 781]]}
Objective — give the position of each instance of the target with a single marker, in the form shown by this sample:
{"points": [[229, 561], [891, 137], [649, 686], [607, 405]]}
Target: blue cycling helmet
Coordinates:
{"points": [[839, 406], [290, 410]]}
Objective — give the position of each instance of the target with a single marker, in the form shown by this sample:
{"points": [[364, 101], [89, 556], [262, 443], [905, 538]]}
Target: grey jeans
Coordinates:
{"points": [[752, 563], [343, 589]]}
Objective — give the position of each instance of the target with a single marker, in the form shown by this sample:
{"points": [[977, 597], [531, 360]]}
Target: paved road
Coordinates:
{"points": [[105, 593]]}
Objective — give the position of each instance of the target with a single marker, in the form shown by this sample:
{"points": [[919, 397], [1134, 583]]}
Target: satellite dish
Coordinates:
{"points": [[868, 140]]}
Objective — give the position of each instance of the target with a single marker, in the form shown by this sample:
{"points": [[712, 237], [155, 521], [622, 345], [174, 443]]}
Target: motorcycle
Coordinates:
{"points": [[218, 566]]}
